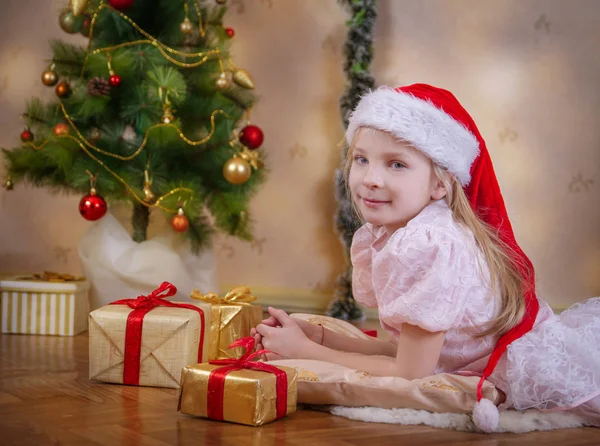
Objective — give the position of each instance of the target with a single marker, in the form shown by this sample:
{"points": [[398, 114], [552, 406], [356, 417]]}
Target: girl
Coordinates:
{"points": [[438, 258]]}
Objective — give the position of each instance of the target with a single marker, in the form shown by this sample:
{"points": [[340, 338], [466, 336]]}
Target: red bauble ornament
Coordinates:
{"points": [[180, 222], [85, 26], [26, 135], [251, 136], [230, 32], [114, 80], [92, 207], [121, 4]]}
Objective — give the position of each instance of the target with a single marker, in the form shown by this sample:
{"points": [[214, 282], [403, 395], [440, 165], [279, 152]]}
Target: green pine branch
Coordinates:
{"points": [[200, 233], [39, 115], [68, 59], [115, 120]]}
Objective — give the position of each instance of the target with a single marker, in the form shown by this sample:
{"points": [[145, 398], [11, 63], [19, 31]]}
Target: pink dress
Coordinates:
{"points": [[432, 274]]}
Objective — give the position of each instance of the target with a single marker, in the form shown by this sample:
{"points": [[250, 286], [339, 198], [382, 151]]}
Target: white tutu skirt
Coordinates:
{"points": [[556, 366]]}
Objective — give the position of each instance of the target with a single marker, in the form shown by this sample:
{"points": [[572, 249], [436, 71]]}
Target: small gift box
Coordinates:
{"points": [[232, 317], [148, 340], [44, 304], [238, 390]]}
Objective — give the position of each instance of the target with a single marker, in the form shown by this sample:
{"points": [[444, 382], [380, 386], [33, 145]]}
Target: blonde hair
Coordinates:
{"points": [[506, 278], [505, 275]]}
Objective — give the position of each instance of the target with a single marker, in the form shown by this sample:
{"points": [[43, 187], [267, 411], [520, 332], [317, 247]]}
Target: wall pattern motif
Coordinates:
{"points": [[527, 72]]}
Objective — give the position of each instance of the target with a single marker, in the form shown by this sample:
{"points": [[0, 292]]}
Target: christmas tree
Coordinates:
{"points": [[152, 111]]}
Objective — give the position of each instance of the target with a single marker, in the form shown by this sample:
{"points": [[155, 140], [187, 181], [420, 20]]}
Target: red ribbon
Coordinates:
{"points": [[216, 379], [135, 321]]}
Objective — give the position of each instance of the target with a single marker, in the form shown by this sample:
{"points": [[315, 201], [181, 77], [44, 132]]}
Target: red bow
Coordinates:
{"points": [[135, 321], [216, 380], [155, 299]]}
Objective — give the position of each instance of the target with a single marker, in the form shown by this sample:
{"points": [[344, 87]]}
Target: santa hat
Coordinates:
{"points": [[433, 121]]}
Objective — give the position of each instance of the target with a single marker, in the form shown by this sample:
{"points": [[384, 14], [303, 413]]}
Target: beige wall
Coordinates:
{"points": [[528, 72]]}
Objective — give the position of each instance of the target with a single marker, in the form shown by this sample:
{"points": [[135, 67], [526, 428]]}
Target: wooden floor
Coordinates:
{"points": [[47, 399]]}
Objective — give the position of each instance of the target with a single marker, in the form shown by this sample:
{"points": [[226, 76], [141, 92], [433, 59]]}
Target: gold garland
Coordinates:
{"points": [[121, 180], [146, 135], [84, 144], [200, 25], [155, 43], [151, 40]]}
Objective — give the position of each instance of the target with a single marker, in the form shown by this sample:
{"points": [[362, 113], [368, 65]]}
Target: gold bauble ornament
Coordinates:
{"points": [[186, 26], [237, 170], [8, 184], [78, 6], [49, 77], [243, 79], [222, 82]]}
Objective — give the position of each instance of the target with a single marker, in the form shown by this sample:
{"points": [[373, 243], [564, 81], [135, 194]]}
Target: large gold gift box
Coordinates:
{"points": [[232, 317], [43, 304], [249, 396], [169, 341]]}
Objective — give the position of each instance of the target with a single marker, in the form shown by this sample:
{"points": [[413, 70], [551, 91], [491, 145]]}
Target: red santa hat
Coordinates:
{"points": [[433, 121]]}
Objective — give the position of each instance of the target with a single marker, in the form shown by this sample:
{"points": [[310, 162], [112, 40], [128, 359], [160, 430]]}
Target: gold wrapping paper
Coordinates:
{"points": [[249, 396], [232, 317], [170, 338]]}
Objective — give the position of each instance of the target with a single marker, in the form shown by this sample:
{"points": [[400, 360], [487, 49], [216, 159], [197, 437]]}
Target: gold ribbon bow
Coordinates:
{"points": [[49, 276], [252, 157], [240, 295]]}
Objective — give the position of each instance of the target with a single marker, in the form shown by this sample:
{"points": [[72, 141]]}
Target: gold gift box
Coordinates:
{"points": [[170, 339], [249, 396], [232, 317]]}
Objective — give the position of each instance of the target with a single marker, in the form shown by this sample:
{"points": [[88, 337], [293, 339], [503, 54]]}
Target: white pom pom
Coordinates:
{"points": [[486, 416]]}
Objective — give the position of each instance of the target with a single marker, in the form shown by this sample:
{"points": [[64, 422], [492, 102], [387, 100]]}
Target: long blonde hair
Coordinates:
{"points": [[503, 264]]}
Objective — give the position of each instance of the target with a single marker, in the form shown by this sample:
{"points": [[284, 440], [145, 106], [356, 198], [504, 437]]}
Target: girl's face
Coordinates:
{"points": [[390, 181]]}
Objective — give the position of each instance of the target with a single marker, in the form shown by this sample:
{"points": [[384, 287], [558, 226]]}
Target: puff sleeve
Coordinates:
{"points": [[361, 255], [423, 277]]}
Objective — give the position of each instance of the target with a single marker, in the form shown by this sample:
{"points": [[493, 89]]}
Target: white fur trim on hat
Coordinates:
{"points": [[446, 141]]}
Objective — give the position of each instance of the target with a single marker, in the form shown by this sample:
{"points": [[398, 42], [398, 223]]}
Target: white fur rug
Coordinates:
{"points": [[510, 420]]}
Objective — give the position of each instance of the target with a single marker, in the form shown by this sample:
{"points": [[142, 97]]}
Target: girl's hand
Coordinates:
{"points": [[284, 337], [271, 322], [312, 331]]}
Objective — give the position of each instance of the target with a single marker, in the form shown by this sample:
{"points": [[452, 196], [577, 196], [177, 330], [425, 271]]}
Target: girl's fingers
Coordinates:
{"points": [[271, 322]]}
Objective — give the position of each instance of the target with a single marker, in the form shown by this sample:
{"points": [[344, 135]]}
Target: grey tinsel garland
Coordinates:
{"points": [[359, 53]]}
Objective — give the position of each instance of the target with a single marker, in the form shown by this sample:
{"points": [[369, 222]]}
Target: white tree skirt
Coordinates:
{"points": [[510, 420]]}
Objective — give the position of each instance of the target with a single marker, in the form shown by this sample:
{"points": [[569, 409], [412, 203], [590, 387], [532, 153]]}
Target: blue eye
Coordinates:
{"points": [[360, 159], [397, 165]]}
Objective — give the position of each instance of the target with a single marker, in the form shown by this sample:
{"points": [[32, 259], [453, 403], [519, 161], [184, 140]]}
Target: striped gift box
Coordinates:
{"points": [[44, 308]]}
